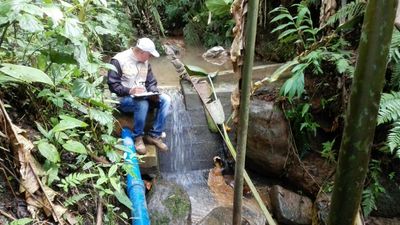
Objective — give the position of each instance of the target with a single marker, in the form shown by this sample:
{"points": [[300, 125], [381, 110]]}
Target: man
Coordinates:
{"points": [[132, 82]]}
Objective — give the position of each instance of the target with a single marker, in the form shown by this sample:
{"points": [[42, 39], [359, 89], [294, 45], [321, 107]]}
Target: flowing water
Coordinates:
{"points": [[176, 164]]}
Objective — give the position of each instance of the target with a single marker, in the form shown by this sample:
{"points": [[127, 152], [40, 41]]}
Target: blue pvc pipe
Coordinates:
{"points": [[135, 186]]}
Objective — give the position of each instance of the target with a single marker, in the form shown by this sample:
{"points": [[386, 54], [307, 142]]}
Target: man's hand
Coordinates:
{"points": [[137, 90]]}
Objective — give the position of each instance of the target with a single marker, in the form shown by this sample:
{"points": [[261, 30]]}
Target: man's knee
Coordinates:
{"points": [[165, 100]]}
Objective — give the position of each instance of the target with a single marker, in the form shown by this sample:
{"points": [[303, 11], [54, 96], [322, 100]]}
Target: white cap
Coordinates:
{"points": [[147, 45]]}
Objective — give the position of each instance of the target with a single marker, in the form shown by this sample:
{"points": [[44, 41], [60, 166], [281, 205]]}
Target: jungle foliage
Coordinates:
{"points": [[52, 70], [325, 57]]}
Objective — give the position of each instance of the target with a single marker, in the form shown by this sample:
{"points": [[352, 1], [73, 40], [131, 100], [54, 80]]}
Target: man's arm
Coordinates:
{"points": [[151, 82], [114, 80]]}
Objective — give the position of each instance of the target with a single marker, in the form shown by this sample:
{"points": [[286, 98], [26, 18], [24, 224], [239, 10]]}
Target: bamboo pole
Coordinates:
{"points": [[362, 111], [250, 35], [253, 189]]}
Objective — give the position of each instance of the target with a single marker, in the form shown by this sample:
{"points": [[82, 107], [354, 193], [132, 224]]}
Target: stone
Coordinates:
{"points": [[269, 150], [290, 208], [220, 216], [168, 203], [382, 221], [267, 140]]}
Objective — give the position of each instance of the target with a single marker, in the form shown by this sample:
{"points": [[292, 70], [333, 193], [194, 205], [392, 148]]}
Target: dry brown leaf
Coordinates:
{"points": [[37, 195]]}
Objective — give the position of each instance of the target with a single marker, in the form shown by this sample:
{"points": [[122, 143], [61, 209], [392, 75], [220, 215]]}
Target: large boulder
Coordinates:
{"points": [[168, 203], [269, 150], [267, 139]]}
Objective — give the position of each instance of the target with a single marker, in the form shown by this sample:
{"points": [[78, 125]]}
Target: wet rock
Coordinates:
{"points": [[290, 208], [382, 221], [223, 194], [267, 140], [216, 55], [223, 216], [168, 203], [269, 150]]}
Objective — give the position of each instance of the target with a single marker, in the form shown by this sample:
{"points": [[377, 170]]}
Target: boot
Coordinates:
{"points": [[139, 146], [157, 141]]}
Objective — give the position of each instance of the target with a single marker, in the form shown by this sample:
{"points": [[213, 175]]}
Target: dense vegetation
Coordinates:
{"points": [[53, 60]]}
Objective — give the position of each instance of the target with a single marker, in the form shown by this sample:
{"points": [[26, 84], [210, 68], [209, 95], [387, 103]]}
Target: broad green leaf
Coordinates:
{"points": [[112, 170], [83, 89], [102, 117], [72, 29], [195, 70], [75, 146], [115, 184], [43, 131], [49, 151], [123, 198], [102, 31], [54, 13], [30, 23], [283, 69], [80, 54], [219, 7], [22, 221], [7, 79], [101, 181], [67, 123], [25, 73], [33, 10]]}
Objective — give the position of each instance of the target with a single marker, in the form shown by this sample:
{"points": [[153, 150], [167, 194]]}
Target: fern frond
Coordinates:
{"points": [[348, 12], [389, 109], [394, 53], [74, 180], [368, 201], [74, 199], [393, 139], [395, 78]]}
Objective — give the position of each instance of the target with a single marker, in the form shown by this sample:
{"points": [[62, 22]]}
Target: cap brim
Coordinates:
{"points": [[155, 53]]}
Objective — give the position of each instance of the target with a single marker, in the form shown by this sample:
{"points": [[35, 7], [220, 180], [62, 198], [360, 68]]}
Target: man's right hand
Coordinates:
{"points": [[137, 90]]}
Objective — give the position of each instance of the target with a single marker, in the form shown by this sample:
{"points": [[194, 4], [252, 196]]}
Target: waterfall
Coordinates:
{"points": [[176, 164]]}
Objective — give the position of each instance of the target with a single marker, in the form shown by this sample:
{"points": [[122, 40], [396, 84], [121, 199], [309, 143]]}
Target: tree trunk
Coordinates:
{"points": [[362, 111]]}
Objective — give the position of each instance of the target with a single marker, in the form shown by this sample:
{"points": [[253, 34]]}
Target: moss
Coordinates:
{"points": [[177, 205], [158, 219]]}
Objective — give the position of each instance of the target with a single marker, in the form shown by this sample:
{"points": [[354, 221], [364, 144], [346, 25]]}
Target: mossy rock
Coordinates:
{"points": [[168, 203]]}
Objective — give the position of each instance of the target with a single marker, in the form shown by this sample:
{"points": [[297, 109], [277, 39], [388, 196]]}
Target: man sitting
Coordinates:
{"points": [[135, 84]]}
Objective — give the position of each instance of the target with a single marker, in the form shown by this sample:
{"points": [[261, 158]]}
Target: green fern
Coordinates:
{"points": [[395, 78], [368, 202], [374, 187], [393, 139], [394, 52], [74, 180], [298, 29], [348, 12], [74, 199], [389, 110]]}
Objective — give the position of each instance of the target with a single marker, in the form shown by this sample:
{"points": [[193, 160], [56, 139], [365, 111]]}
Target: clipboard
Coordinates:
{"points": [[145, 94]]}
